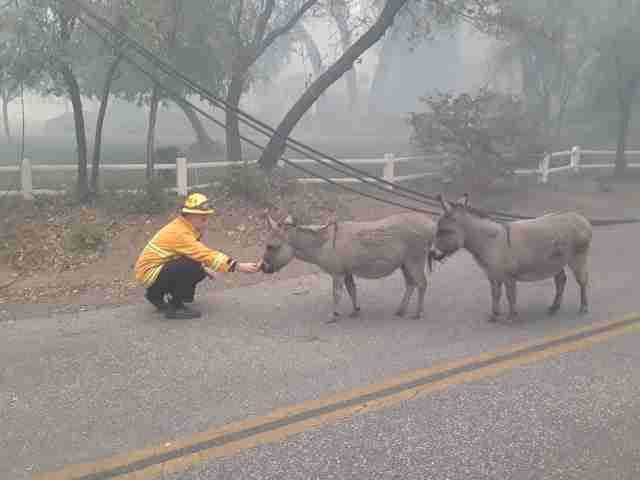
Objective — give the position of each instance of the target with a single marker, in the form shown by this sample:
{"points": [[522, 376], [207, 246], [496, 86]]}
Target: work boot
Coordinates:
{"points": [[181, 312], [184, 300], [159, 303]]}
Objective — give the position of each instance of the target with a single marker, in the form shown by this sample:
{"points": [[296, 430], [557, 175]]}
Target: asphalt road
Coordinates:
{"points": [[85, 388]]}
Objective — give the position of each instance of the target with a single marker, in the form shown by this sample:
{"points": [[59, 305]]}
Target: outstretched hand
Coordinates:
{"points": [[248, 267]]}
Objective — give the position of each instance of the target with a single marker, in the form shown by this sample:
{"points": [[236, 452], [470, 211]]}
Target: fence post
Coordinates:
{"points": [[182, 176], [26, 179], [389, 172], [543, 169], [575, 159]]}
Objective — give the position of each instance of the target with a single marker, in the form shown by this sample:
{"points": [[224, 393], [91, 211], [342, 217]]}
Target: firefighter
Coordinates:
{"points": [[175, 260]]}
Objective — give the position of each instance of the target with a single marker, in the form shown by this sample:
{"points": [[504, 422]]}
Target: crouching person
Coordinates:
{"points": [[175, 260]]}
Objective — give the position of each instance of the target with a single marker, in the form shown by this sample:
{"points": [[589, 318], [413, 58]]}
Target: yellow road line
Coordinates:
{"points": [[279, 424]]}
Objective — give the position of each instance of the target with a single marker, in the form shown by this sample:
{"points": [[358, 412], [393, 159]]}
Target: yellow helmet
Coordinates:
{"points": [[197, 203]]}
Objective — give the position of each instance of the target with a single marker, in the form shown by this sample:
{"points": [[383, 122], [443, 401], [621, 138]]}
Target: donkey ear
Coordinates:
{"points": [[463, 200], [273, 225], [316, 228], [445, 205]]}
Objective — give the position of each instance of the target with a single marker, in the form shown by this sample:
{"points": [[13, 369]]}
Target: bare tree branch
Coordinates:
{"points": [[261, 23], [238, 20], [274, 34]]}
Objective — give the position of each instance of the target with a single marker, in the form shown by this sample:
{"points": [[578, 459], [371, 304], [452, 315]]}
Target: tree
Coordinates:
{"points": [[549, 64], [411, 45], [10, 81], [157, 24], [382, 68], [251, 28], [615, 66], [19, 68], [193, 55], [487, 15], [341, 12], [277, 143], [179, 32], [51, 35], [105, 68], [312, 52]]}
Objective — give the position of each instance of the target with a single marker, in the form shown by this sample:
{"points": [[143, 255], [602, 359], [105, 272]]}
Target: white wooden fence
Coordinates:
{"points": [[182, 167], [575, 164], [389, 163]]}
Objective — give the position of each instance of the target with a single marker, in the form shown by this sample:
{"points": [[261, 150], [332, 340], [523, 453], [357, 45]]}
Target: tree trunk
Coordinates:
{"points": [[567, 91], [315, 57], [5, 117], [376, 92], [234, 146], [277, 143], [345, 41], [82, 189], [529, 84], [202, 137], [151, 132], [623, 130], [104, 102]]}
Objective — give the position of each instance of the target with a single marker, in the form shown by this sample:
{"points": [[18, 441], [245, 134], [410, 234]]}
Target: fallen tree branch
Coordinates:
{"points": [[9, 283]]}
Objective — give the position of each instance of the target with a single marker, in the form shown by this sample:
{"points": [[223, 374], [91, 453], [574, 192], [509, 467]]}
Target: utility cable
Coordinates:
{"points": [[246, 118], [173, 93]]}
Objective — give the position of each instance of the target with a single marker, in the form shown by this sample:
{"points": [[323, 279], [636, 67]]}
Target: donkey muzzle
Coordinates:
{"points": [[267, 267], [434, 254]]}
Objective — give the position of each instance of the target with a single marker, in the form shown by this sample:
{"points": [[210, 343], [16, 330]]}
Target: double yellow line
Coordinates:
{"points": [[233, 438]]}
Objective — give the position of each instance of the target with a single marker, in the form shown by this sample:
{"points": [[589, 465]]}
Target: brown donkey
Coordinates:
{"points": [[346, 250], [521, 251]]}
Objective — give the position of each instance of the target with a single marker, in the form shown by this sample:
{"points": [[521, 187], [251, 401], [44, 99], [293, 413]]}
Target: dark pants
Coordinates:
{"points": [[177, 278]]}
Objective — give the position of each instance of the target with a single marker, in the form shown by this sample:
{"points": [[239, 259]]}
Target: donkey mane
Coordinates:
{"points": [[474, 211], [485, 216]]}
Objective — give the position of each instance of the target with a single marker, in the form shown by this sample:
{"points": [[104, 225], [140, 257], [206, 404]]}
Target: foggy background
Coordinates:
{"points": [[452, 61]]}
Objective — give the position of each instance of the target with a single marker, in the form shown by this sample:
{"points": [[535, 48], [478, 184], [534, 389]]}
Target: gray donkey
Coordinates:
{"points": [[363, 249], [521, 251]]}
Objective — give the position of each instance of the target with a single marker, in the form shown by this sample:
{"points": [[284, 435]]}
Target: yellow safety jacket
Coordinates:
{"points": [[177, 239]]}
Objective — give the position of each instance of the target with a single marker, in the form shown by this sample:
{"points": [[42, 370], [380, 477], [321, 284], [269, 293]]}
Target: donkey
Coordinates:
{"points": [[363, 249], [521, 251]]}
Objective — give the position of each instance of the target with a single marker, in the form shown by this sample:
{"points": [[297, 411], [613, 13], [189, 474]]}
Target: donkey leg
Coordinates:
{"points": [[416, 270], [351, 290], [409, 288], [510, 287], [579, 268], [496, 293], [560, 280], [338, 281]]}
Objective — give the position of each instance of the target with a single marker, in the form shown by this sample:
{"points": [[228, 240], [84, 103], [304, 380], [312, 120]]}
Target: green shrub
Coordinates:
{"points": [[85, 237], [9, 203], [167, 155], [480, 133], [8, 248], [153, 199], [248, 181]]}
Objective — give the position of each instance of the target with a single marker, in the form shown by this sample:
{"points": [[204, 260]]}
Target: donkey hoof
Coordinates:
{"points": [[400, 313], [494, 318], [553, 309], [513, 317], [417, 316], [355, 313], [584, 310], [333, 318]]}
